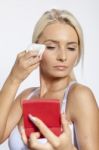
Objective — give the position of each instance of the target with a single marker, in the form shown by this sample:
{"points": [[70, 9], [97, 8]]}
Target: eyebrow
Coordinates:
{"points": [[69, 43], [50, 40], [55, 41]]}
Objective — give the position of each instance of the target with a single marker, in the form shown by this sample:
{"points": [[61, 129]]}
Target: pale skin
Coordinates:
{"points": [[56, 64]]}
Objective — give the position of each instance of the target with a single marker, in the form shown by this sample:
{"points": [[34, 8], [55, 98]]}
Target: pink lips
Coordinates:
{"points": [[60, 67]]}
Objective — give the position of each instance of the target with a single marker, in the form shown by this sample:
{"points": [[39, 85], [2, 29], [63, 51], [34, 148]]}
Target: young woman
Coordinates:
{"points": [[61, 33]]}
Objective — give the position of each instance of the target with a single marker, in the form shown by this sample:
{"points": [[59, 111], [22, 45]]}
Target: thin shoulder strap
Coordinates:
{"points": [[63, 107], [32, 93]]}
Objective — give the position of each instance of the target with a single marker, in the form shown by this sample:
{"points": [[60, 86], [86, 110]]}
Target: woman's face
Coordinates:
{"points": [[62, 50]]}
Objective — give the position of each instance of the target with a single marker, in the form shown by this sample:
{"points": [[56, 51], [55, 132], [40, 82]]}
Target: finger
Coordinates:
{"points": [[32, 61], [34, 142], [51, 137], [33, 137], [23, 135], [31, 54], [32, 67], [21, 54], [39, 146]]}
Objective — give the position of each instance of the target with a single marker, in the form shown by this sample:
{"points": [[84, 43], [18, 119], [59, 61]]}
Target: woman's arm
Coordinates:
{"points": [[24, 65], [15, 113], [7, 96], [85, 114]]}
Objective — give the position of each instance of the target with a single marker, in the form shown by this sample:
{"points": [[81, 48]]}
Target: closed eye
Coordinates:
{"points": [[51, 47], [72, 49]]}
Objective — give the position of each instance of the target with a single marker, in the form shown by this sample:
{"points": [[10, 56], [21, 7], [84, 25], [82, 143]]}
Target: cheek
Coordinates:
{"points": [[45, 62], [47, 57], [73, 59]]}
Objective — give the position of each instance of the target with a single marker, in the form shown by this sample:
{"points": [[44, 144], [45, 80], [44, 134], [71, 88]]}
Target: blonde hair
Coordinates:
{"points": [[63, 16]]}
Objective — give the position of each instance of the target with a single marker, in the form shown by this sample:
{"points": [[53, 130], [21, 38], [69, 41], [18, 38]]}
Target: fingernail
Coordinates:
{"points": [[32, 118]]}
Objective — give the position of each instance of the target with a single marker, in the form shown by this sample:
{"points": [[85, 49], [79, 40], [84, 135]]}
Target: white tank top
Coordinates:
{"points": [[15, 141]]}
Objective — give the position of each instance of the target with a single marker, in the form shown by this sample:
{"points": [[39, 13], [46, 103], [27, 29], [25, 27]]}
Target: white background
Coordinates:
{"points": [[17, 19]]}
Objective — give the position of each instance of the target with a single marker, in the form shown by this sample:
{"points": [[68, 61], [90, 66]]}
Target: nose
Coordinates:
{"points": [[62, 55]]}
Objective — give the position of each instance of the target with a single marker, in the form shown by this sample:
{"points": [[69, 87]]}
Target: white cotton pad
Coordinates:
{"points": [[40, 48]]}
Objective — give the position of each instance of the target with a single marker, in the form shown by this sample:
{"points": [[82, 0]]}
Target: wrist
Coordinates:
{"points": [[14, 80]]}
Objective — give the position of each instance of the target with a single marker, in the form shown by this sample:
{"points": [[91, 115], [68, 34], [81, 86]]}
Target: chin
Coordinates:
{"points": [[58, 75]]}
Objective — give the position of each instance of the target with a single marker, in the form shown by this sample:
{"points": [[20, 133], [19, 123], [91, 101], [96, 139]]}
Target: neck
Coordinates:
{"points": [[53, 84]]}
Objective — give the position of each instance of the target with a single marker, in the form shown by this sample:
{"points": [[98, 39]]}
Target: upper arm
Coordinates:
{"points": [[85, 115], [15, 114]]}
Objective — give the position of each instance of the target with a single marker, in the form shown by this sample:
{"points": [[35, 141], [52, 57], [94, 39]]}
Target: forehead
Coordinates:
{"points": [[59, 32]]}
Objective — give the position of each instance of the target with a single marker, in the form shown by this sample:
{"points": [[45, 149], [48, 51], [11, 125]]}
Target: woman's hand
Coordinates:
{"points": [[63, 142], [25, 63]]}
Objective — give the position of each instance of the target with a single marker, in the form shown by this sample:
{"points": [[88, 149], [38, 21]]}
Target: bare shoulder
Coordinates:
{"points": [[82, 100], [25, 93], [84, 113], [81, 94], [18, 101]]}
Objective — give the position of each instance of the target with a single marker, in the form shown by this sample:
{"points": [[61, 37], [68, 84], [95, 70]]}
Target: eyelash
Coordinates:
{"points": [[50, 47], [72, 49]]}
